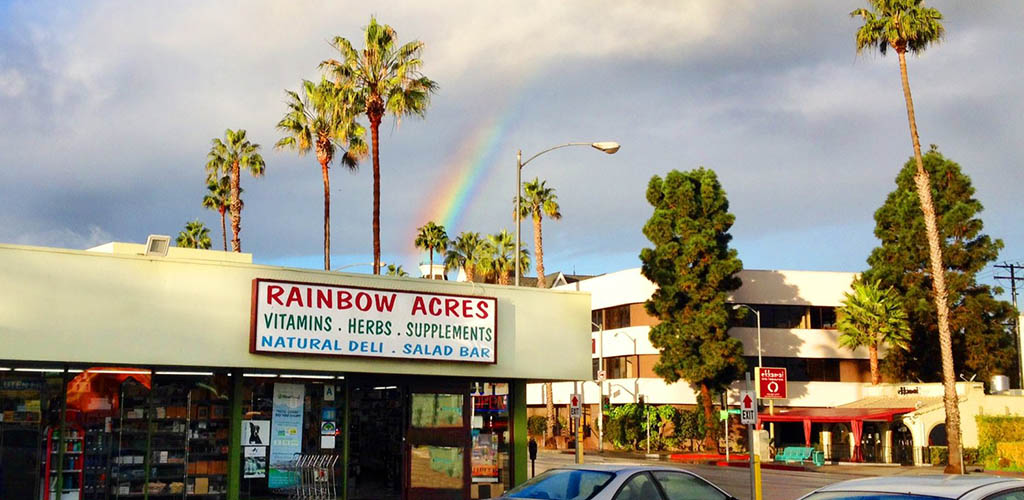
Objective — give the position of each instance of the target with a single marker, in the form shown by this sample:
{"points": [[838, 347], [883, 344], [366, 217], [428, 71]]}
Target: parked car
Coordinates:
{"points": [[617, 482], [973, 487]]}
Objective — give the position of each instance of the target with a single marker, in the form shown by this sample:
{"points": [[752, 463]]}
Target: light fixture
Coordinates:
{"points": [[385, 388], [200, 374], [609, 147], [119, 372], [40, 370], [260, 375], [315, 377], [157, 245]]}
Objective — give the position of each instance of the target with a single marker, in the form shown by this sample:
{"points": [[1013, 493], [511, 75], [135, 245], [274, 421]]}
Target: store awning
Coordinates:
{"points": [[854, 416]]}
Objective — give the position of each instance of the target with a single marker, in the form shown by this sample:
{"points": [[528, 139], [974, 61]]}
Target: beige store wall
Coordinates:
{"points": [[79, 306]]}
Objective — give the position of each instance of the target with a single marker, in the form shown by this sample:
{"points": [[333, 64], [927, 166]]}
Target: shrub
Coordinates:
{"points": [[1011, 454], [536, 425], [939, 455]]}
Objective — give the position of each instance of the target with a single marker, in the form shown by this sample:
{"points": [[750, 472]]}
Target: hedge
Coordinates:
{"points": [[536, 425], [1010, 455], [995, 430]]}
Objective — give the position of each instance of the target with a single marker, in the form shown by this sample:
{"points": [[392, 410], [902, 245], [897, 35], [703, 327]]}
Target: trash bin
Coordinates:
{"points": [[818, 457]]}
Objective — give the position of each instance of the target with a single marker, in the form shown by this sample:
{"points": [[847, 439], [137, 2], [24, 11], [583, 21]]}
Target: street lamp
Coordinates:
{"points": [[600, 385], [607, 147], [357, 264], [636, 360], [758, 314]]}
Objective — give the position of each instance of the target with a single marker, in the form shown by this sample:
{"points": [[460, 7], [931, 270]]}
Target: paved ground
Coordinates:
{"points": [[776, 484]]}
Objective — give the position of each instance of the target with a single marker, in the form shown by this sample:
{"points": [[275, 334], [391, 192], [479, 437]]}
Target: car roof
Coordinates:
{"points": [[617, 468], [944, 486]]}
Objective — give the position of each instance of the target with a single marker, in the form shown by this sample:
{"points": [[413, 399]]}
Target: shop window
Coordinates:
{"points": [[34, 461], [491, 467]]}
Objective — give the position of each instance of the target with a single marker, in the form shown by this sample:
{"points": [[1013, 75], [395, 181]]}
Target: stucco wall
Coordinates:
{"points": [[79, 306]]}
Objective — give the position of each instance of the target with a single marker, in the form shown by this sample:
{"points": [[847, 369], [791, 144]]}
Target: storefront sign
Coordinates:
{"points": [[286, 432], [306, 318], [771, 383]]}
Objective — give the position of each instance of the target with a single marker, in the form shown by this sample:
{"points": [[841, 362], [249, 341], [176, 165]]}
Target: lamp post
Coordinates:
{"points": [[636, 359], [607, 147], [382, 264], [758, 315], [600, 385]]}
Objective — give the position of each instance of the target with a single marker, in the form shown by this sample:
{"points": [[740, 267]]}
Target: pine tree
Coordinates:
{"points": [[982, 344], [694, 269]]}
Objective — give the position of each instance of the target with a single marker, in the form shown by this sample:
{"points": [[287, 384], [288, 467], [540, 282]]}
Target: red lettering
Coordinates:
{"points": [[434, 301], [363, 301], [481, 309], [274, 294], [418, 306], [309, 296], [451, 307], [467, 309], [324, 299], [294, 296], [383, 304], [344, 300]]}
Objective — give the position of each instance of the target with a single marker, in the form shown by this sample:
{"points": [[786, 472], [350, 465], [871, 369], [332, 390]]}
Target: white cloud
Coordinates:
{"points": [[12, 84]]}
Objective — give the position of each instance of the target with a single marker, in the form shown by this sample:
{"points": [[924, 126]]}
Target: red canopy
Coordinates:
{"points": [[855, 416]]}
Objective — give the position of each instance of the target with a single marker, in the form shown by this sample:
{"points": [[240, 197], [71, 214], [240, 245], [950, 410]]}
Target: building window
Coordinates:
{"points": [[596, 320], [800, 369], [823, 317], [620, 367], [616, 317]]}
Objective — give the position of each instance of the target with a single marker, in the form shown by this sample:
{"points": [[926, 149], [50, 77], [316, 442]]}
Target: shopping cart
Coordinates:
{"points": [[311, 477]]}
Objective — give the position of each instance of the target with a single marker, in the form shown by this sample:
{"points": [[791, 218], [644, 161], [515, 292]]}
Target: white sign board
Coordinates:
{"points": [[575, 406], [318, 319], [748, 408], [255, 432]]}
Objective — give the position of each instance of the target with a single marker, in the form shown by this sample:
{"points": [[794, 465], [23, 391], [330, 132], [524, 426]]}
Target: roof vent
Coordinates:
{"points": [[157, 245], [999, 384]]}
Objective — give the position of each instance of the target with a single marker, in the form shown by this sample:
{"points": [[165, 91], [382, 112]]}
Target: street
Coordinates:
{"points": [[777, 485]]}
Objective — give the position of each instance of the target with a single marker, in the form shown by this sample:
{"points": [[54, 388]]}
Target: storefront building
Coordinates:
{"points": [[200, 375]]}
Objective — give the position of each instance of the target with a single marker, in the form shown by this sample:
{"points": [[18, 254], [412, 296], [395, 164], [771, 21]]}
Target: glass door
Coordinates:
{"points": [[438, 441]]}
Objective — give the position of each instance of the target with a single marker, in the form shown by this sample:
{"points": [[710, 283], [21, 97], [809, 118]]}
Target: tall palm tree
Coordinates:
{"points": [[322, 119], [387, 77], [909, 26], [228, 158], [195, 235], [870, 317], [433, 238], [393, 270], [537, 201], [218, 199], [498, 256], [465, 252]]}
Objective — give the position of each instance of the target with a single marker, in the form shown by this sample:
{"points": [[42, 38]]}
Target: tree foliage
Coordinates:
{"points": [[432, 238], [870, 317], [981, 342], [195, 235], [695, 270], [465, 252], [537, 201], [228, 158]]}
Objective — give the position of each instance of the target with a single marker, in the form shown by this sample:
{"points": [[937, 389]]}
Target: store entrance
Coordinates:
{"points": [[377, 422]]}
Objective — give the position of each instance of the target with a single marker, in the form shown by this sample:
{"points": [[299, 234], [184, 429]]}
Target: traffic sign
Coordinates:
{"points": [[748, 408], [771, 383], [576, 408], [601, 375]]}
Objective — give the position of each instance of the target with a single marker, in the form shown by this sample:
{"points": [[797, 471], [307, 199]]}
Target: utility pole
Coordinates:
{"points": [[1016, 317]]}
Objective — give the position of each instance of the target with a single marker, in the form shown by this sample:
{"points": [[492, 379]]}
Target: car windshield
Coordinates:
{"points": [[867, 495], [562, 484]]}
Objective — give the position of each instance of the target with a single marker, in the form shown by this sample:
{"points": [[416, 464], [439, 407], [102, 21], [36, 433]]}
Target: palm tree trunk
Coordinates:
{"points": [[223, 228], [709, 426], [924, 192], [503, 277], [876, 376], [327, 216], [549, 402], [236, 208], [468, 268], [538, 248], [375, 138], [430, 270]]}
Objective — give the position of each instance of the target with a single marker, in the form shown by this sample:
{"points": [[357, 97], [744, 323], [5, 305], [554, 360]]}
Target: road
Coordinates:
{"points": [[777, 485]]}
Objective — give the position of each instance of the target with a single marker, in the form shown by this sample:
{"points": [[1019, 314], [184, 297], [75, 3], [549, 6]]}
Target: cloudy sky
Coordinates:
{"points": [[107, 110]]}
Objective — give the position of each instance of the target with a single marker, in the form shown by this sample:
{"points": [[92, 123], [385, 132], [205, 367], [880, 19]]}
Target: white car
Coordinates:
{"points": [[973, 487], [617, 482]]}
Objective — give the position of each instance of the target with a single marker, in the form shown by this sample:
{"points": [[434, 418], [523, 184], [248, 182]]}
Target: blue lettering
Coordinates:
{"points": [[314, 344], [267, 341], [279, 342], [406, 349], [302, 343], [353, 346]]}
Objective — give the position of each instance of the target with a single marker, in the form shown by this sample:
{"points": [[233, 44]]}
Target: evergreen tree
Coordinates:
{"points": [[870, 317], [694, 269], [982, 344]]}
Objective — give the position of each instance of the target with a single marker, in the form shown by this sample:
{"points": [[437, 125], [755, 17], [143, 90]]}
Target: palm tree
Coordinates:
{"points": [[394, 270], [218, 199], [432, 237], [386, 77], [537, 201], [498, 256], [465, 252], [907, 25], [195, 235], [870, 317], [322, 119], [227, 158]]}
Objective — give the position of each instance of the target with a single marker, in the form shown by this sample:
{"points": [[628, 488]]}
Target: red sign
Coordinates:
{"points": [[771, 383]]}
